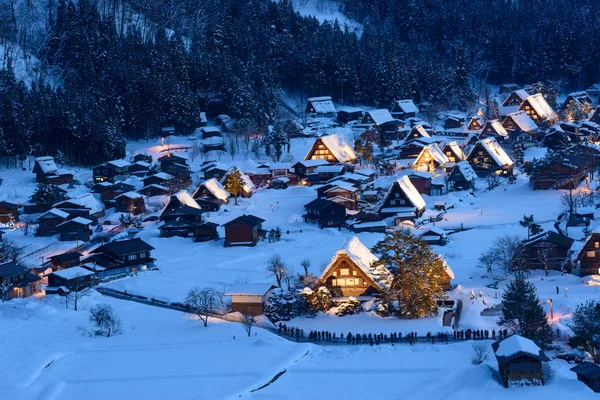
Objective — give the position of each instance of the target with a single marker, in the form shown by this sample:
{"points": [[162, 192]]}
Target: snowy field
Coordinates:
{"points": [[164, 354]]}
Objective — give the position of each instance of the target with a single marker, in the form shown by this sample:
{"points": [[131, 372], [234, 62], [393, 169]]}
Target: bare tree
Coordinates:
{"points": [[488, 260], [232, 145], [277, 268], [107, 323], [203, 302], [9, 251], [480, 353], [77, 290], [306, 265], [507, 250], [247, 322]]}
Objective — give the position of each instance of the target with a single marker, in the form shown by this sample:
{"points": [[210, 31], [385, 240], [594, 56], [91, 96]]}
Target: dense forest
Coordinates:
{"points": [[112, 70]]}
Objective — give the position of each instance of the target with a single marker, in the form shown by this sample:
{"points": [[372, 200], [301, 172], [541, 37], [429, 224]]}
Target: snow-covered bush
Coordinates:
{"points": [[350, 307], [480, 353], [283, 305], [319, 300]]}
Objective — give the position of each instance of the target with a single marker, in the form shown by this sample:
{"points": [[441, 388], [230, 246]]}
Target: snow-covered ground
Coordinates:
{"points": [[164, 354]]}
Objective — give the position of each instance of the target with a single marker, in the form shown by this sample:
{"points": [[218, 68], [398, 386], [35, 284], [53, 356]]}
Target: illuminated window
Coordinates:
{"points": [[591, 254], [597, 244], [344, 272]]}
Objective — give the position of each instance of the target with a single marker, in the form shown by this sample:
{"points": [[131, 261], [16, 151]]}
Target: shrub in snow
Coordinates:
{"points": [[106, 322], [352, 306], [319, 300], [283, 305], [480, 353]]}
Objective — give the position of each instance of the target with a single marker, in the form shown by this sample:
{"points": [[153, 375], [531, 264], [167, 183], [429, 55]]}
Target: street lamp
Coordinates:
{"points": [[551, 310]]}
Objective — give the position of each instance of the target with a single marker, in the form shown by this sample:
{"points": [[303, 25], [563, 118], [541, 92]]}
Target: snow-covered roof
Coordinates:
{"points": [[436, 153], [249, 289], [363, 258], [522, 93], [342, 185], [541, 106], [517, 344], [435, 230], [73, 272], [142, 164], [213, 141], [411, 193], [56, 212], [280, 165], [523, 121], [466, 170], [88, 200], [186, 199], [422, 131], [329, 168], [47, 164], [216, 189], [77, 220], [154, 185], [313, 163], [131, 195], [248, 184], [322, 105], [210, 129], [456, 149], [496, 152], [407, 106], [381, 116], [448, 270], [203, 117], [163, 175], [341, 148], [119, 163], [498, 128]]}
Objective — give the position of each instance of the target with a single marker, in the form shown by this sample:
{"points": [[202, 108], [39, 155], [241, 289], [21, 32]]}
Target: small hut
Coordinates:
{"points": [[519, 361]]}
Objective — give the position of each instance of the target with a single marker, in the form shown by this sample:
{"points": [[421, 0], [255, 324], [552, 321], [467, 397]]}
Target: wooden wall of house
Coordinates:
{"points": [[321, 151], [248, 308], [589, 259], [240, 233], [346, 270]]}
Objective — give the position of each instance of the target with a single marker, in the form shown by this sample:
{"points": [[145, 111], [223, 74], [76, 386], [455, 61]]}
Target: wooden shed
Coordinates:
{"points": [[249, 299], [588, 373], [519, 361], [243, 231]]}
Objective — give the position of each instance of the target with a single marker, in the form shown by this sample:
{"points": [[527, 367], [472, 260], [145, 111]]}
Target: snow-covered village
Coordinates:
{"points": [[182, 218]]}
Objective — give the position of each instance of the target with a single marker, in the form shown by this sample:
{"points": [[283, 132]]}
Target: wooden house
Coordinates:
{"points": [[403, 109], [453, 152], [588, 373], [327, 172], [493, 129], [435, 235], [147, 158], [325, 213], [130, 202], [170, 160], [45, 171], [519, 121], [48, 222], [245, 230], [178, 200], [161, 178], [122, 257], [351, 273], [77, 228], [588, 257], [430, 159], [139, 168], [539, 110], [515, 98], [422, 181], [87, 201], [65, 260], [369, 226], [417, 133], [111, 171], [154, 190], [336, 149], [211, 195], [547, 251], [462, 177], [341, 189], [20, 280], [577, 99], [594, 90], [557, 139], [249, 299], [66, 280], [8, 212], [188, 224], [445, 280], [305, 167], [564, 172], [454, 121], [413, 148], [215, 143], [488, 157], [475, 123], [320, 107], [402, 198], [519, 361], [347, 114], [208, 132]]}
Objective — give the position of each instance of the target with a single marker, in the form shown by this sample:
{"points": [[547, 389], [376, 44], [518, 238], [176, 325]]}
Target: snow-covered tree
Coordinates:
{"points": [[586, 326], [234, 183]]}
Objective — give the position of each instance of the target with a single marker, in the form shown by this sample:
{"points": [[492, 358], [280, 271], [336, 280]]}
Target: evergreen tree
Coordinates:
{"points": [[586, 326], [417, 273], [522, 312], [529, 223], [46, 195], [234, 183]]}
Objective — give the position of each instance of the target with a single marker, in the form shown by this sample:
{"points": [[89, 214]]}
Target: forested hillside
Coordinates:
{"points": [[113, 70]]}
